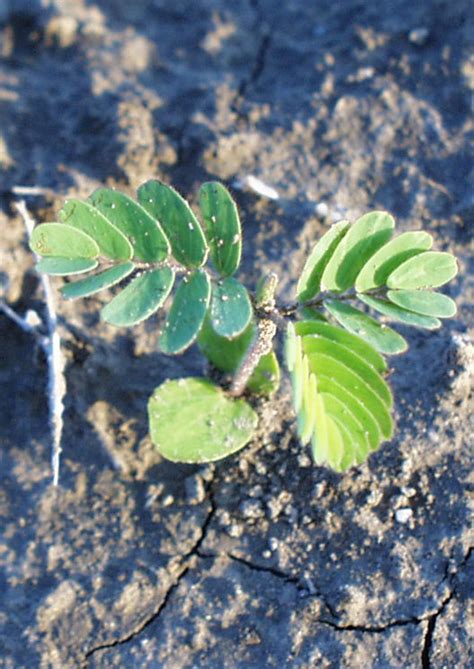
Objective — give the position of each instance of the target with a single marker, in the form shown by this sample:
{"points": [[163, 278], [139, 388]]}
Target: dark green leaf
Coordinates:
{"points": [[176, 218], [309, 284], [140, 299], [191, 420], [265, 379], [427, 270], [58, 240], [222, 226], [424, 302], [83, 216], [396, 313], [64, 266], [231, 309], [225, 354], [142, 230], [98, 282], [187, 313], [363, 239], [381, 337]]}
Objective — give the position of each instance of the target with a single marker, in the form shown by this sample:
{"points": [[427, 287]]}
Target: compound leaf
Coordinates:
{"points": [[381, 337], [58, 240], [427, 270], [389, 257], [187, 313], [396, 313], [347, 339], [362, 240], [83, 216], [231, 309], [142, 230], [140, 299], [177, 220], [309, 283], [64, 266], [222, 227], [424, 302], [317, 344], [94, 284], [192, 420]]}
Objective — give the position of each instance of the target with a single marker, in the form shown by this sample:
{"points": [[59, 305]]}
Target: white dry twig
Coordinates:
{"points": [[51, 344]]}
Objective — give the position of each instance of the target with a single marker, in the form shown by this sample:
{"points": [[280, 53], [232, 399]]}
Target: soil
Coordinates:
{"points": [[262, 560]]}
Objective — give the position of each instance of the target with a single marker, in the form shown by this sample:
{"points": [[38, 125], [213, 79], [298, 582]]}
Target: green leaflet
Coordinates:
{"points": [[310, 281], [291, 343], [427, 270], [58, 240], [377, 269], [353, 404], [142, 230], [98, 282], [351, 341], [317, 344], [357, 445], [311, 314], [64, 266], [83, 216], [363, 239], [319, 440], [191, 420], [222, 227], [381, 337], [187, 313], [335, 444], [231, 309], [396, 313], [177, 220], [424, 302], [265, 379], [306, 418], [321, 363], [140, 299]]}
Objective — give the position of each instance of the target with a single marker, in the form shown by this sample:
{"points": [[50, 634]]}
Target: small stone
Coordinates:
{"points": [[195, 491], [403, 515], [321, 210], [251, 509], [168, 500], [235, 530], [418, 36]]}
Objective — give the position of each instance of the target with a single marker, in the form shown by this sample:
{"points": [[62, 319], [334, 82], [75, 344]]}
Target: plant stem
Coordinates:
{"points": [[266, 331]]}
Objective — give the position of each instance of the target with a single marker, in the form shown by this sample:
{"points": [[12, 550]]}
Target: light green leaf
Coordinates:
{"points": [[291, 341], [335, 444], [427, 270], [177, 220], [311, 314], [307, 415], [222, 226], [317, 344], [363, 239], [83, 216], [424, 302], [381, 337], [322, 364], [140, 299], [142, 230], [377, 269], [98, 282], [231, 309], [58, 240], [265, 379], [310, 281], [187, 313], [353, 404], [191, 420], [64, 266], [352, 341], [319, 441], [396, 313], [357, 436]]}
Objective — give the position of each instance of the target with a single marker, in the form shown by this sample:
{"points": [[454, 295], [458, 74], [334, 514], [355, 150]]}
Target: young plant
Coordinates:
{"points": [[335, 352]]}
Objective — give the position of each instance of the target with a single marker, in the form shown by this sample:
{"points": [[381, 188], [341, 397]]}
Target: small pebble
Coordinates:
{"points": [[321, 210], [403, 515], [418, 36]]}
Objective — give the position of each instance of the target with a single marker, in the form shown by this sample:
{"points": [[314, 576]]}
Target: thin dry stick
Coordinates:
{"points": [[55, 359]]}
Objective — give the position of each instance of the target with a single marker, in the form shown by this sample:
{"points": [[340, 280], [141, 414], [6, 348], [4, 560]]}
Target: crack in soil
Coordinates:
{"points": [[187, 563]]}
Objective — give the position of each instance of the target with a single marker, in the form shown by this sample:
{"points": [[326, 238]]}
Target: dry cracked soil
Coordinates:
{"points": [[262, 560]]}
